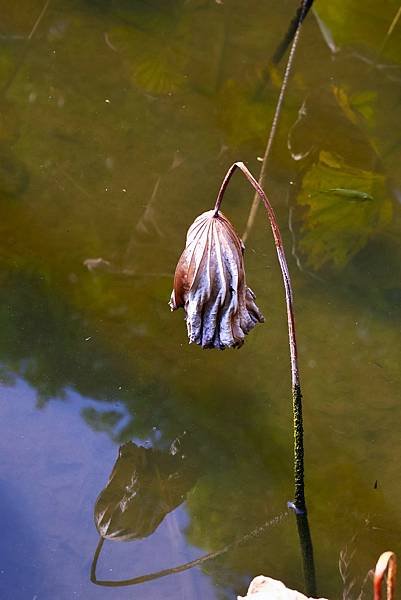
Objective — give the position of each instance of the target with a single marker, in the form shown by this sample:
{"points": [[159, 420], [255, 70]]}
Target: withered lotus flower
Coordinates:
{"points": [[209, 283], [220, 309]]}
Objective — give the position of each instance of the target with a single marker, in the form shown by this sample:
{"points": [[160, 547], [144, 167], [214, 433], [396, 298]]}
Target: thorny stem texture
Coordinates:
{"points": [[299, 499]]}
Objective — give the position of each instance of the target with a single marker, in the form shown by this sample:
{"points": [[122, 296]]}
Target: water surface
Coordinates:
{"points": [[118, 121]]}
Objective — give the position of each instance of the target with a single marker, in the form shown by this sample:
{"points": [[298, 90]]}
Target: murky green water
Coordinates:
{"points": [[118, 121]]}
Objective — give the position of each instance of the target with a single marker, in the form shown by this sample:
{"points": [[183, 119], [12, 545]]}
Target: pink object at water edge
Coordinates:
{"points": [[266, 588], [386, 565]]}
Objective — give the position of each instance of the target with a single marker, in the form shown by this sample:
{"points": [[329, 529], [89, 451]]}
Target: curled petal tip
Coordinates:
{"points": [[172, 303]]}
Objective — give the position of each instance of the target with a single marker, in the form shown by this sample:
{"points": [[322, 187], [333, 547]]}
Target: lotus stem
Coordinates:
{"points": [[292, 34], [301, 13], [308, 563], [299, 504], [299, 498]]}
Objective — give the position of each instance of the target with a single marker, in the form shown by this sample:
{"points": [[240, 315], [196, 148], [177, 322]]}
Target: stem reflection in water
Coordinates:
{"points": [[144, 486]]}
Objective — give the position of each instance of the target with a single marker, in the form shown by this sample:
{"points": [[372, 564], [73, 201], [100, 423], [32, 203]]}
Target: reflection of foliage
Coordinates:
{"points": [[101, 421], [44, 342], [345, 207]]}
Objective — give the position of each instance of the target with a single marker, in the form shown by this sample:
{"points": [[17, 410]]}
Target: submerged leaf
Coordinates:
{"points": [[343, 101], [364, 103], [345, 206], [358, 107], [155, 50], [210, 285], [361, 26], [242, 117], [158, 74]]}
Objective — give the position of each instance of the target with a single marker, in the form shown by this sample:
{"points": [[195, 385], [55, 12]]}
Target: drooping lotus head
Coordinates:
{"points": [[209, 283]]}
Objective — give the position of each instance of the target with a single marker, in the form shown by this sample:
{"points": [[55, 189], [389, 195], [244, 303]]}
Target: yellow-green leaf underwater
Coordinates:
{"points": [[343, 207]]}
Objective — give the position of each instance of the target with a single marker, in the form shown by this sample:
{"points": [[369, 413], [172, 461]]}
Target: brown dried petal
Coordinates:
{"points": [[209, 283]]}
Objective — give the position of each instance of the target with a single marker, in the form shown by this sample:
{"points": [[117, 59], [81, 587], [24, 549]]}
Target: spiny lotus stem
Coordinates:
{"points": [[209, 283]]}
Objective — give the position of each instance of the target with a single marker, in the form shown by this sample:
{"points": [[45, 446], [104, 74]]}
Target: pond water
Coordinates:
{"points": [[119, 119]]}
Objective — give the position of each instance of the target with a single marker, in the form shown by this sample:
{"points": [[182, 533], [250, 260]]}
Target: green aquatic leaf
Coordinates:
{"points": [[154, 51], [343, 102], [358, 107], [362, 26], [158, 74], [242, 117], [364, 102], [344, 206]]}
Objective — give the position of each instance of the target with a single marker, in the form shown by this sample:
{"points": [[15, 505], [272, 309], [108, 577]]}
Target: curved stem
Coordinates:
{"points": [[299, 503], [387, 563], [299, 499]]}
